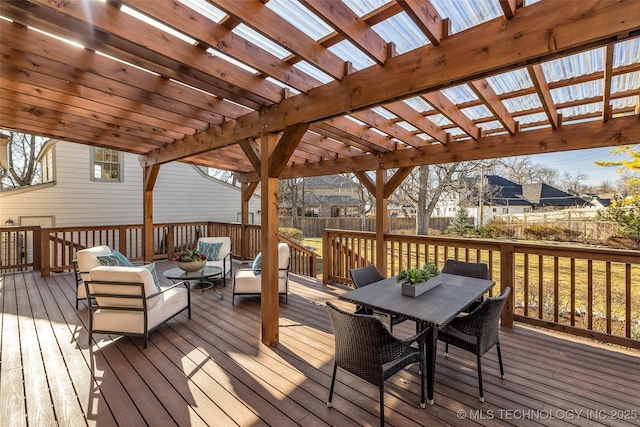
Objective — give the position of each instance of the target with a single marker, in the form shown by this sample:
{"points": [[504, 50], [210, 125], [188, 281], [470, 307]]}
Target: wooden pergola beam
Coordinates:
{"points": [[536, 34], [272, 26], [621, 131], [544, 93], [426, 17], [338, 15]]}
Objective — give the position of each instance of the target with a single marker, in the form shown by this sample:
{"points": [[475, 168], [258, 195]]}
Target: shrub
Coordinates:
{"points": [[291, 233], [625, 213], [553, 233]]}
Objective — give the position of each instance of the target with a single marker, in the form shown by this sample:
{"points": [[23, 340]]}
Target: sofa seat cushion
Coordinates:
{"points": [[170, 303], [247, 282]]}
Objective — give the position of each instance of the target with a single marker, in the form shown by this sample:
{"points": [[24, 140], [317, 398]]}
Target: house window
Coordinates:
{"points": [[495, 209], [505, 210], [106, 165], [526, 210]]}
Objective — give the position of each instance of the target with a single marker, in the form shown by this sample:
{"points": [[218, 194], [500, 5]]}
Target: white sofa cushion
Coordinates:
{"points": [[169, 303], [87, 259], [113, 275]]}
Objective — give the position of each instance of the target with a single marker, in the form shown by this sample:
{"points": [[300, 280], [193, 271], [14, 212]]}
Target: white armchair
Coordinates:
{"points": [[88, 259], [247, 281], [126, 300], [224, 256]]}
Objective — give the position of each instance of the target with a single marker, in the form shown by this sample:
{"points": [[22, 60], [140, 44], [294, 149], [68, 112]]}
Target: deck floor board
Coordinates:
{"points": [[214, 370]]}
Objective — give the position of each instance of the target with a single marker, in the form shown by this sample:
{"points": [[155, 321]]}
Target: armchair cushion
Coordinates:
{"points": [[108, 275], [87, 259], [210, 250], [115, 258]]}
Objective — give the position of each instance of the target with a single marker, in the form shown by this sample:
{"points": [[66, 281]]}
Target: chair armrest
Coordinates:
{"points": [[140, 263], [184, 283], [419, 338]]}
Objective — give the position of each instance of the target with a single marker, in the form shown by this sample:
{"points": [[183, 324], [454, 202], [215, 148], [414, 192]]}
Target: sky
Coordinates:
{"points": [[582, 161]]}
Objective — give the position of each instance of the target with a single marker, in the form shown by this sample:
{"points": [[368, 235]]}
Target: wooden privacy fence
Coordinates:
{"points": [[313, 227], [53, 249], [589, 292]]}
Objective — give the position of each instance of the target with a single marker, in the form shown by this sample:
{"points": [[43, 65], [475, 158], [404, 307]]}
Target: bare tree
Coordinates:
{"points": [[364, 197], [572, 182], [22, 168], [424, 187], [522, 170], [292, 191], [224, 176]]}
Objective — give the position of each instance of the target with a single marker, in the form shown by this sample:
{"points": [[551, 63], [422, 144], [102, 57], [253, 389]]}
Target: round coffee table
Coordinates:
{"points": [[203, 276]]}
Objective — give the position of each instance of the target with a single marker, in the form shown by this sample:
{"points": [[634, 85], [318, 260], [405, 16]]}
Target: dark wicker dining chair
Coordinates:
{"points": [[477, 332], [366, 348], [478, 270], [367, 275]]}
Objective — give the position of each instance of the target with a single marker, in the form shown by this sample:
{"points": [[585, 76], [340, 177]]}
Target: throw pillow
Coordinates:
{"points": [[115, 258], [152, 268], [210, 250], [257, 264]]}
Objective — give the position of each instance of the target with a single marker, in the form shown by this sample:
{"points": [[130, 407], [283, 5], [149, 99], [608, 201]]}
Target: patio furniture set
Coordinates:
{"points": [[365, 347], [127, 298]]}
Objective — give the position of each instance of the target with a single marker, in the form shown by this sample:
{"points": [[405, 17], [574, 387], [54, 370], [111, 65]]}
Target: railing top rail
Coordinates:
{"points": [[604, 254], [565, 250]]}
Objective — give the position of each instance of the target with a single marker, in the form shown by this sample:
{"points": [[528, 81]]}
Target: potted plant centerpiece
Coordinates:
{"points": [[190, 260], [416, 281]]}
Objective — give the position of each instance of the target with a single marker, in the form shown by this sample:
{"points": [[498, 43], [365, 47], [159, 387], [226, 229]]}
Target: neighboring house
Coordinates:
{"points": [[331, 196], [504, 197], [85, 185]]}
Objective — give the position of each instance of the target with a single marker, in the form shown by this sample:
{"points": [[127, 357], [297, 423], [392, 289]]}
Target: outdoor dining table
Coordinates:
{"points": [[432, 309]]}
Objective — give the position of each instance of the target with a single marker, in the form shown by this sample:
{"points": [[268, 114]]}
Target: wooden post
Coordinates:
{"points": [[381, 221], [37, 244], [326, 256], [45, 260], [269, 203], [248, 188], [244, 219], [150, 176], [507, 279], [122, 241]]}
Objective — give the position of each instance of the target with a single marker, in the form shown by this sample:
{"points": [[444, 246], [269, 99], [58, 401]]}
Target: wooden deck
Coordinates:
{"points": [[214, 370]]}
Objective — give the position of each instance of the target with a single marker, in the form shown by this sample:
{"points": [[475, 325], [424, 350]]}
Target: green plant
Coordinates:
{"points": [[459, 224], [190, 255], [413, 276], [625, 213]]}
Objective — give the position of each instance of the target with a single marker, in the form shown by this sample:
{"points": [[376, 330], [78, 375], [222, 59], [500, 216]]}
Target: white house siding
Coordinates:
{"points": [[181, 194]]}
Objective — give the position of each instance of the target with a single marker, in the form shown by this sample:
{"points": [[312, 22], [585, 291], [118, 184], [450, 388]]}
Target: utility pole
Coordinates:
{"points": [[481, 201]]}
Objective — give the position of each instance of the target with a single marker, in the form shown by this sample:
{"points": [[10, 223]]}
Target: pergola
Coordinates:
{"points": [[284, 89]]}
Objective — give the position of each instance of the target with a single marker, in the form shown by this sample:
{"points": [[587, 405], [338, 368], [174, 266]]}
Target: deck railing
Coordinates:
{"points": [[53, 249], [589, 292]]}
